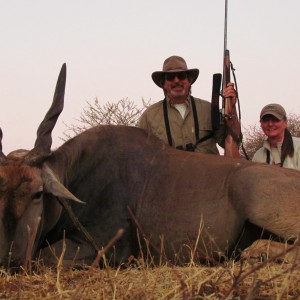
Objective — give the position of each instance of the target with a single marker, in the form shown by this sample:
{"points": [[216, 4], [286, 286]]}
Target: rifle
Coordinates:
{"points": [[228, 115]]}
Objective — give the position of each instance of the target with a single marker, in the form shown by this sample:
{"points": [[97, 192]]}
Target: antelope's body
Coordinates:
{"points": [[189, 202]]}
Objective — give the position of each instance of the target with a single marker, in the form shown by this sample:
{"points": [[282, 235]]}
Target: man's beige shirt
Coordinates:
{"points": [[183, 129]]}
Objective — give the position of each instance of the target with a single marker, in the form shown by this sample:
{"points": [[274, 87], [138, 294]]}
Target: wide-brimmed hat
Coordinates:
{"points": [[275, 110], [174, 64]]}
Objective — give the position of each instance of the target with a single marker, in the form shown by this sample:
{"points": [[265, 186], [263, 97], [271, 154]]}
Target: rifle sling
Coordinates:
{"points": [[205, 138]]}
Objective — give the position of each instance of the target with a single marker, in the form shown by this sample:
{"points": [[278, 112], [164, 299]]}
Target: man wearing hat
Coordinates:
{"points": [[279, 148], [181, 120]]}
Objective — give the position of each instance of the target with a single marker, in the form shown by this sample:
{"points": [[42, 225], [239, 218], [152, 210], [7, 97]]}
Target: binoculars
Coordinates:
{"points": [[188, 147]]}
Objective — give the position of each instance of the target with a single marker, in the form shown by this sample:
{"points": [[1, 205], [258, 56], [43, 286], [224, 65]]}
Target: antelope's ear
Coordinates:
{"points": [[52, 185], [35, 159]]}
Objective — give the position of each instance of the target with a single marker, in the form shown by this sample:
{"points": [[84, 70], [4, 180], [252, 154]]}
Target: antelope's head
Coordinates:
{"points": [[26, 182]]}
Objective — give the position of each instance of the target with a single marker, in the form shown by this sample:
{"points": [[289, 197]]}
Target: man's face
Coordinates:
{"points": [[177, 86]]}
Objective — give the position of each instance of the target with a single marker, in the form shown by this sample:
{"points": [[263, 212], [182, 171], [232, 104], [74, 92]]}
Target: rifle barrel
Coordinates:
{"points": [[225, 25]]}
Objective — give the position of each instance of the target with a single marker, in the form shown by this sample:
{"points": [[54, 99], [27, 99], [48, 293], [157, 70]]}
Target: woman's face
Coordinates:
{"points": [[272, 127]]}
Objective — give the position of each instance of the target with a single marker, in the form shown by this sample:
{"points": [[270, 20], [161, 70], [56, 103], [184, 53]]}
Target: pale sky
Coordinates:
{"points": [[112, 47]]}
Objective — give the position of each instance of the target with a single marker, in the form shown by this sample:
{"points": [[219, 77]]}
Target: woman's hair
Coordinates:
{"points": [[287, 148]]}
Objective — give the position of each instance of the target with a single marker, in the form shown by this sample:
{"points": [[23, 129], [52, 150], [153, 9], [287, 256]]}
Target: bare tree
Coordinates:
{"points": [[123, 112], [253, 137]]}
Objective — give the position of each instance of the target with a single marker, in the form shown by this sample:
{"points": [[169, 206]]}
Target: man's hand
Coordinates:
{"points": [[230, 92]]}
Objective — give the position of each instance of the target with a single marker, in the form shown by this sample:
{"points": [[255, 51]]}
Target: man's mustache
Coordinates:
{"points": [[177, 85]]}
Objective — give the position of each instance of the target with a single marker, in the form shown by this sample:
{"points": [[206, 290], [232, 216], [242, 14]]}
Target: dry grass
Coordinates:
{"points": [[143, 280], [230, 280]]}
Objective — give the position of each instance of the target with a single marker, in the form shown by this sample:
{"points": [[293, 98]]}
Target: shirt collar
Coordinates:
{"points": [[187, 101], [267, 145]]}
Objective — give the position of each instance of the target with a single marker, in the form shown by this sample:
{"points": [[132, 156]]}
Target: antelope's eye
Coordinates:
{"points": [[37, 195]]}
